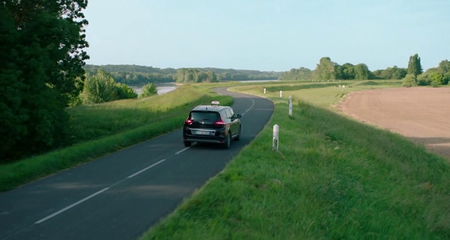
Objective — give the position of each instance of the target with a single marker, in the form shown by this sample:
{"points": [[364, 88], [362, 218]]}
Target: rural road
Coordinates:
{"points": [[122, 195]]}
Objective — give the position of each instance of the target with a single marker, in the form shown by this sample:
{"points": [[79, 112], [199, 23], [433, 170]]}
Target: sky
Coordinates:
{"points": [[267, 35]]}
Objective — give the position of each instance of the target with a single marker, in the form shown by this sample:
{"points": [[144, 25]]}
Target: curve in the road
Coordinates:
{"points": [[121, 195]]}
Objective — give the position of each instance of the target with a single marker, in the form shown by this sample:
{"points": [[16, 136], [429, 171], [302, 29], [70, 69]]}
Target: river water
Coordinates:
{"points": [[162, 88]]}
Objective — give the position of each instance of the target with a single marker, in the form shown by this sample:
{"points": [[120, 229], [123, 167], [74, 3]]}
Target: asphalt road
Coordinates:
{"points": [[122, 195]]}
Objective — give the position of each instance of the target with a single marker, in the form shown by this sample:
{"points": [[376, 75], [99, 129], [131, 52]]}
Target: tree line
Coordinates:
{"points": [[329, 70], [137, 75], [413, 75], [434, 77]]}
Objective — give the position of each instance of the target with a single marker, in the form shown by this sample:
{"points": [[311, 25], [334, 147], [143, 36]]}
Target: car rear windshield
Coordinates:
{"points": [[212, 116]]}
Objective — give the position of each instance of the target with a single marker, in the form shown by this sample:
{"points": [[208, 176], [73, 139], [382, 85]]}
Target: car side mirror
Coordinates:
{"points": [[238, 115]]}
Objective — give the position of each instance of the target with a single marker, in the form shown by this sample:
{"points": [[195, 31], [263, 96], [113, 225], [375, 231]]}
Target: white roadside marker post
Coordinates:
{"points": [[276, 140], [290, 106], [265, 90], [281, 94]]}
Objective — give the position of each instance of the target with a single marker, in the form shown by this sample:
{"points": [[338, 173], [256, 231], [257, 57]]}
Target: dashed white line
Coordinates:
{"points": [[71, 206], [131, 176], [147, 168], [182, 151], [95, 194]]}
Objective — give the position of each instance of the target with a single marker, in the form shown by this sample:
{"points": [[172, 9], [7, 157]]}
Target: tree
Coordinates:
{"points": [[444, 67], [297, 74], [149, 90], [325, 70], [414, 66], [212, 77], [361, 71], [41, 60], [398, 73], [347, 71]]}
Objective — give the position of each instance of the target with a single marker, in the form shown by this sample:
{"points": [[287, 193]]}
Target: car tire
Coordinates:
{"points": [[238, 136], [227, 142], [187, 144]]}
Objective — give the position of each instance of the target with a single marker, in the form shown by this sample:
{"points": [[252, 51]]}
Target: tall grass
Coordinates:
{"points": [[105, 128], [333, 178]]}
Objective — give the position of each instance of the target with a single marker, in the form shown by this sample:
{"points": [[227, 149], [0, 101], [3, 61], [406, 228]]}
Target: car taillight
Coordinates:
{"points": [[188, 121], [219, 123]]}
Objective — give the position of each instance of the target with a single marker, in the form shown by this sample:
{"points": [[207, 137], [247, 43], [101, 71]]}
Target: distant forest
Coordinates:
{"points": [[135, 74], [325, 70]]}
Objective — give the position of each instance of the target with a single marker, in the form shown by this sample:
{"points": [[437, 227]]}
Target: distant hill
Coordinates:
{"points": [[136, 74]]}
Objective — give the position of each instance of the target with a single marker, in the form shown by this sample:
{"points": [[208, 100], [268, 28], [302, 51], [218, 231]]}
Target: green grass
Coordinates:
{"points": [[322, 94], [333, 178], [105, 128]]}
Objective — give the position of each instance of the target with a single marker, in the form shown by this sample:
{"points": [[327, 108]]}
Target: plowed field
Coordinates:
{"points": [[419, 113]]}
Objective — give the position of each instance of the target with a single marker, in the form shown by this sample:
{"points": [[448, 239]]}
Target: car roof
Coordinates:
{"points": [[209, 108]]}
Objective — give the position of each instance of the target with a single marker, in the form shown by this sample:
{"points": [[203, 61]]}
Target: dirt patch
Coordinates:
{"points": [[420, 113]]}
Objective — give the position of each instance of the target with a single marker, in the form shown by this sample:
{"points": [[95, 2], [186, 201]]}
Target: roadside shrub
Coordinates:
{"points": [[99, 88], [125, 92], [409, 81], [423, 79], [435, 84], [148, 90], [438, 78]]}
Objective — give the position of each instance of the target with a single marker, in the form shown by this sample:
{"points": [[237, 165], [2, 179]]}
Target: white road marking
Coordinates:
{"points": [[182, 151], [147, 168], [131, 176], [95, 194], [253, 104], [71, 206]]}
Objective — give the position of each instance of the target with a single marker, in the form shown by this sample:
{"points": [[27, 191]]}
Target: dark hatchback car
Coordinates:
{"points": [[212, 124]]}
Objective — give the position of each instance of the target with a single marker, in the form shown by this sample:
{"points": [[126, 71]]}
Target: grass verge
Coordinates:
{"points": [[333, 178], [105, 128]]}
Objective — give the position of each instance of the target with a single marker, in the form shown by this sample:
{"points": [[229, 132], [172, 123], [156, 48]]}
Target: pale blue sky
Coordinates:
{"points": [[267, 35]]}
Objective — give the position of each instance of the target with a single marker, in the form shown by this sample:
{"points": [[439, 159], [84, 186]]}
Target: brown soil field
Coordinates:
{"points": [[421, 114]]}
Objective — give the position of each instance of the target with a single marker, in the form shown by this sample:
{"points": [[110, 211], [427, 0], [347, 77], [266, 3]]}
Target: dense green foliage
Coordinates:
{"points": [[414, 66], [297, 74], [149, 89], [325, 70], [192, 75], [137, 75], [391, 73], [329, 70], [434, 77], [101, 87], [242, 75], [41, 60], [409, 81]]}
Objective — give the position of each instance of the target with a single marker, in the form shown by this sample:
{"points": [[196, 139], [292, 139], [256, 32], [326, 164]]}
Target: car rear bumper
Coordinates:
{"points": [[219, 137], [204, 140]]}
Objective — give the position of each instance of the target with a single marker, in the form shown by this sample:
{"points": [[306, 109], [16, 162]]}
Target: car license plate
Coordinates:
{"points": [[203, 132]]}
